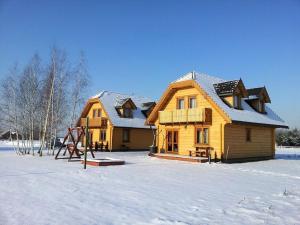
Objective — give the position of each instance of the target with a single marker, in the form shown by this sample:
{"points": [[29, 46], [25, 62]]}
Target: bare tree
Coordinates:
{"points": [[28, 101], [78, 87], [8, 109], [35, 104]]}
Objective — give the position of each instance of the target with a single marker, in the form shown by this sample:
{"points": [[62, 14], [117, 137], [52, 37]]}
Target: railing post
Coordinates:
{"points": [[86, 141]]}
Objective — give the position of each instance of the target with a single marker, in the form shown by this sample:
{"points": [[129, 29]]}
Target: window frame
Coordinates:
{"points": [[177, 102], [99, 113], [261, 106], [128, 135], [129, 110], [189, 102], [237, 102], [202, 143], [248, 134], [100, 136]]}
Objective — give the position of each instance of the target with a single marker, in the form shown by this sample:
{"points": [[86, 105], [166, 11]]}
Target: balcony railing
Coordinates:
{"points": [[185, 116], [95, 122]]}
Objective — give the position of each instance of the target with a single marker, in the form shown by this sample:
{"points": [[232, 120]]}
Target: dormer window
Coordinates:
{"points": [[127, 113], [258, 97], [232, 92], [125, 107], [237, 102]]}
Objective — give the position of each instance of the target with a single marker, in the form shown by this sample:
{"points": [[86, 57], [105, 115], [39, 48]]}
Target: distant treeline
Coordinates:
{"points": [[288, 137]]}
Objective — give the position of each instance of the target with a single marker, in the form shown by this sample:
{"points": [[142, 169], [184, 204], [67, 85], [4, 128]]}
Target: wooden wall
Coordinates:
{"points": [[96, 131], [139, 138], [262, 142], [229, 99], [187, 132]]}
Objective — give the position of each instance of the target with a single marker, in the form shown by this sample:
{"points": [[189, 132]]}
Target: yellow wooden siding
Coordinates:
{"points": [[96, 105], [139, 138], [96, 131], [229, 99], [187, 132], [236, 146]]}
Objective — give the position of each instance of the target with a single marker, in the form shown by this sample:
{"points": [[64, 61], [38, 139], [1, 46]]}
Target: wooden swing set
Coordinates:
{"points": [[73, 137]]}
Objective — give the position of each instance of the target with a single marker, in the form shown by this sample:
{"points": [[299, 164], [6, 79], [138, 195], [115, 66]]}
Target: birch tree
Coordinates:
{"points": [[8, 109], [42, 100], [78, 87], [28, 99]]}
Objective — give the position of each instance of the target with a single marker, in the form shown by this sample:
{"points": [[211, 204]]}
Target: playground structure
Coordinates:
{"points": [[70, 144]]}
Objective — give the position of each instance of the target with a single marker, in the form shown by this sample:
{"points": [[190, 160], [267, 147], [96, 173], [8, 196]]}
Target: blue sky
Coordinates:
{"points": [[140, 46]]}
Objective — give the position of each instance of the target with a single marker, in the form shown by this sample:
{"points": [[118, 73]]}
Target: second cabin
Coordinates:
{"points": [[198, 113], [117, 121]]}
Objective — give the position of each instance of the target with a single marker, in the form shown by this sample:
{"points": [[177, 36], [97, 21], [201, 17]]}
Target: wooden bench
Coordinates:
{"points": [[201, 151]]}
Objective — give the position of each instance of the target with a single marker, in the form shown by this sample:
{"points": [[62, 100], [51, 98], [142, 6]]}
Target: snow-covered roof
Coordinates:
{"points": [[248, 114], [111, 99]]}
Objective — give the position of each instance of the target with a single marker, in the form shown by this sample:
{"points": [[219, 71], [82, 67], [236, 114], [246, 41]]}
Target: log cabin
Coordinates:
{"points": [[204, 116], [117, 121]]}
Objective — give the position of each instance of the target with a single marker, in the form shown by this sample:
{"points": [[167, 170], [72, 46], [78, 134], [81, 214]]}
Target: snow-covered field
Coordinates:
{"points": [[146, 190]]}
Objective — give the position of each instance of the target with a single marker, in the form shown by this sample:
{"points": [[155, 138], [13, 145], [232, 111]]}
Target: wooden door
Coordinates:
{"points": [[172, 141]]}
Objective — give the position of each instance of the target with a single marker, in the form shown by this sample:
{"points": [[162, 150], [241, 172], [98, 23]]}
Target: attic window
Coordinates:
{"points": [[237, 102], [180, 103], [261, 106], [192, 102], [127, 113], [97, 113]]}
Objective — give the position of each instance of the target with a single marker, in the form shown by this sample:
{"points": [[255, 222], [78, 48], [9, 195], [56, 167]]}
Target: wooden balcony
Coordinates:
{"points": [[186, 116], [100, 122]]}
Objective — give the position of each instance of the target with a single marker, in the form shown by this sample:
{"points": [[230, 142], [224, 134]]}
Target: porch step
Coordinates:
{"points": [[180, 158]]}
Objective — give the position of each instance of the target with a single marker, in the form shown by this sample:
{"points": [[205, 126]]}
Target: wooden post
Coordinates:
{"points": [[86, 141]]}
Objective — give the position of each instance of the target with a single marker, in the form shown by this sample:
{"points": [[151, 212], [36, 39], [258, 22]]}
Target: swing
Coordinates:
{"points": [[73, 137]]}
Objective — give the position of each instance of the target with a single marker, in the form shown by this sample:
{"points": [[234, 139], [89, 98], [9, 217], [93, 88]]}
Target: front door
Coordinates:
{"points": [[172, 141]]}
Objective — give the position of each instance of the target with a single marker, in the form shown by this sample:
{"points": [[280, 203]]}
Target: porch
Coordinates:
{"points": [[180, 157]]}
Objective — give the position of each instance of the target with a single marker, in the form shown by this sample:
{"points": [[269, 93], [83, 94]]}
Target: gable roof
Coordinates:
{"points": [[248, 114], [110, 100], [258, 92]]}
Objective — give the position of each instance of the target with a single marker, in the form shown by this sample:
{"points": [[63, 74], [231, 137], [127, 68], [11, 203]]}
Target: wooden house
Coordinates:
{"points": [[201, 115], [117, 121]]}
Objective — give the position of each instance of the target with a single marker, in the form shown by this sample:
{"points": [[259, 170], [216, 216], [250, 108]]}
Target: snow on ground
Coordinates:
{"points": [[146, 190]]}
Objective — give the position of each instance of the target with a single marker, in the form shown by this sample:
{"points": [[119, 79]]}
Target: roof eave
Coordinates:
{"points": [[260, 124]]}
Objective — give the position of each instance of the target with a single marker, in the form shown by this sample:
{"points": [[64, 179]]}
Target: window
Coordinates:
{"points": [[263, 109], [102, 135], [202, 136], [192, 102], [261, 106], [199, 136], [97, 113], [248, 134], [127, 113], [237, 102], [180, 103], [126, 135], [205, 136]]}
